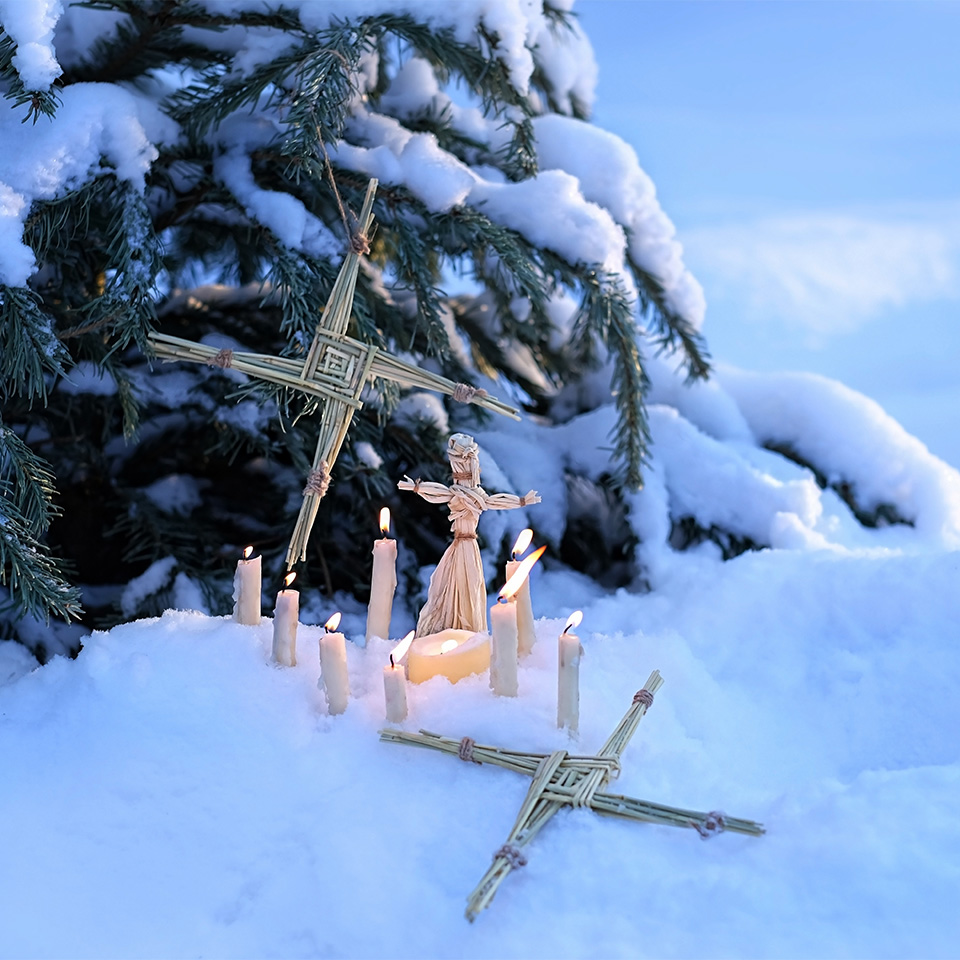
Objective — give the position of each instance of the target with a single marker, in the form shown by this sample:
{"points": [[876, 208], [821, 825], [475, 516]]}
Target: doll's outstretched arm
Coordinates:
{"points": [[508, 501], [430, 491]]}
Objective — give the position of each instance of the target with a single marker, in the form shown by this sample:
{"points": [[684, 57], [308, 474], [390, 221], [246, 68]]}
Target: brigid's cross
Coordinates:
{"points": [[335, 370], [561, 780]]}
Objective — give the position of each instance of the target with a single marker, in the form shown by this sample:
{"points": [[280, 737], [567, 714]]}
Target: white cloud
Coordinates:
{"points": [[828, 273]]}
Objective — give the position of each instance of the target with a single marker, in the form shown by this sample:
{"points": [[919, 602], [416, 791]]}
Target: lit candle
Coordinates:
{"points": [[333, 666], [395, 682], [453, 654], [285, 616], [568, 678], [383, 583], [246, 589], [503, 627], [525, 633]]}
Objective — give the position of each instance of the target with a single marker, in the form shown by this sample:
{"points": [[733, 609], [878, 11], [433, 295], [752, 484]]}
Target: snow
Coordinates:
{"points": [[151, 581], [206, 804], [30, 25], [97, 129], [172, 793], [87, 377], [609, 174]]}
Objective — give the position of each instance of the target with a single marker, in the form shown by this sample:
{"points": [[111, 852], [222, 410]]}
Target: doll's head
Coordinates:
{"points": [[464, 457]]}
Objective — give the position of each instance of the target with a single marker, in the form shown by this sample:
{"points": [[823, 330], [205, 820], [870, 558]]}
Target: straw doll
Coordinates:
{"points": [[457, 596]]}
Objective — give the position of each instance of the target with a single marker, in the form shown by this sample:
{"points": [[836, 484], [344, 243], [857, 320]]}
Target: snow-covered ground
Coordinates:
{"points": [[173, 794]]}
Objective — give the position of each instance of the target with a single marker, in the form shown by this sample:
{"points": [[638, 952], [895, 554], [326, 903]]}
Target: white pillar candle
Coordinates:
{"points": [[285, 617], [568, 677], [246, 589], [525, 633], [383, 583], [503, 648], [333, 667], [504, 645], [453, 654], [395, 682]]}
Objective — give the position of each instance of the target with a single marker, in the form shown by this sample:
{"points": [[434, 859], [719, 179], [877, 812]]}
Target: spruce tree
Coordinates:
{"points": [[217, 153]]}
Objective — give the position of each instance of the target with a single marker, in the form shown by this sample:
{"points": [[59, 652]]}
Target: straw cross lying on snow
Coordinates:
{"points": [[335, 370], [560, 780]]}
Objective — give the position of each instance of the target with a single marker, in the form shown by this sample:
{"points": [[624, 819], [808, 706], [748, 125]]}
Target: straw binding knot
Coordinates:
{"points": [[465, 752], [512, 855], [465, 393], [222, 359], [712, 824], [645, 697], [318, 481]]}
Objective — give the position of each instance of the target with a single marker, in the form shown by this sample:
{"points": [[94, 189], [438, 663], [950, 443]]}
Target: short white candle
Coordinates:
{"points": [[333, 667], [383, 583], [504, 646], [453, 654], [246, 589], [395, 682], [568, 676], [285, 617]]}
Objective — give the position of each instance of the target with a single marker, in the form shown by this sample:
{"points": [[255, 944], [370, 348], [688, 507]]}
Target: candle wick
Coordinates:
{"points": [[392, 664]]}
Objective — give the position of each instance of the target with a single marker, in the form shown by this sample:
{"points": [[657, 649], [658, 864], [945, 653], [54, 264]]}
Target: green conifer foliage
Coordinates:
{"points": [[90, 472]]}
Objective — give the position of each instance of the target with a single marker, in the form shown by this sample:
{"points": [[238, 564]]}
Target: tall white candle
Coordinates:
{"points": [[246, 589], [383, 583], [525, 632], [333, 667], [503, 648], [568, 676], [285, 617], [504, 645], [395, 682]]}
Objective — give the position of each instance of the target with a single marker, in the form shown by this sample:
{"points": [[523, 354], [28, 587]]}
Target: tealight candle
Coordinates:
{"points": [[503, 627], [395, 682], [453, 654], [333, 666], [526, 636], [383, 583], [568, 675], [285, 617], [246, 589]]}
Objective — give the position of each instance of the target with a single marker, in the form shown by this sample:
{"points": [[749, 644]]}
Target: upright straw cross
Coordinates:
{"points": [[335, 370]]}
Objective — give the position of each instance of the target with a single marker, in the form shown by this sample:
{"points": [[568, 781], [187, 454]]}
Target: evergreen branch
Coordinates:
{"points": [[39, 102], [607, 313], [30, 480], [29, 348], [26, 566], [673, 329]]}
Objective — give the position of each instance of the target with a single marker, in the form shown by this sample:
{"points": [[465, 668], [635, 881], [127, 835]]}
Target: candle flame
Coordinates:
{"points": [[332, 623], [247, 553], [573, 621], [523, 541], [516, 581], [384, 520], [289, 578], [400, 650], [448, 645]]}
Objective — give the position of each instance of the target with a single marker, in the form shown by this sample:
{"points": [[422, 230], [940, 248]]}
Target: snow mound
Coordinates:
{"points": [[174, 793]]}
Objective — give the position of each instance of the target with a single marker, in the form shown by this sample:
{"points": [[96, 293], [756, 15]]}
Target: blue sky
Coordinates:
{"points": [[808, 154]]}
